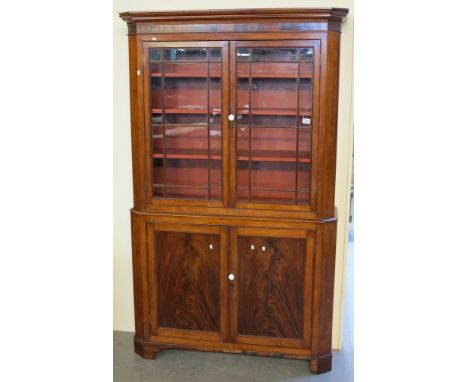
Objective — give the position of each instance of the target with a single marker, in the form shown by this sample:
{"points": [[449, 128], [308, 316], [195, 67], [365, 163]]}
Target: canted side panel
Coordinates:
{"points": [[326, 288], [137, 126], [328, 124], [187, 269], [137, 244], [271, 286]]}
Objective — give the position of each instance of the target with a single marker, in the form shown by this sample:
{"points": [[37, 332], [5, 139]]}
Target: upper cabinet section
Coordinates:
{"points": [[234, 112]]}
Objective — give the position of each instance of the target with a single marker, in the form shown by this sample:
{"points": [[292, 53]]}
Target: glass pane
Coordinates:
{"points": [[304, 144], [243, 69], [243, 183], [158, 175], [243, 163], [215, 70], [185, 54], [215, 94], [186, 94], [215, 141], [303, 198], [273, 176], [186, 178], [306, 70], [274, 96], [274, 69], [154, 54], [306, 54], [215, 54], [274, 122], [243, 137], [274, 144], [158, 140], [243, 101], [186, 141], [273, 182], [305, 100], [274, 54], [156, 94], [184, 119], [303, 177], [186, 172], [185, 70], [215, 179], [243, 54], [272, 196]]}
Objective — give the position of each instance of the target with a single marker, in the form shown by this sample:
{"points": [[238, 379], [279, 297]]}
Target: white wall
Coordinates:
{"points": [[123, 199]]}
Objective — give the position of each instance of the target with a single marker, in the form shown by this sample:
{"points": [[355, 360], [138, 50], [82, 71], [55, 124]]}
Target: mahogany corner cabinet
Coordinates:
{"points": [[234, 129]]}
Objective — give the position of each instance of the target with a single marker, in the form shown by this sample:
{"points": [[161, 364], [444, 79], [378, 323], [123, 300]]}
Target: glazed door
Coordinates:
{"points": [[185, 86], [187, 282], [270, 283], [274, 113]]}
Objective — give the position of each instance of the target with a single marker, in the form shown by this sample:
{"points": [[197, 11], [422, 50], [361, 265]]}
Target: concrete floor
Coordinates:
{"points": [[197, 366]]}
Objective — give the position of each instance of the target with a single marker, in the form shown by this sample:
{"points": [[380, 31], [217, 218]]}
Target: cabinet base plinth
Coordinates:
{"points": [[144, 350], [321, 365]]}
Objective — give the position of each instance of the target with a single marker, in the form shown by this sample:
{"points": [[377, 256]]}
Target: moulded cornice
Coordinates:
{"points": [[238, 15]]}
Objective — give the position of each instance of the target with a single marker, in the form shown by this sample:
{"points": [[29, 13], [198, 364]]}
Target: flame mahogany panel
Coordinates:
{"points": [[271, 286], [188, 280]]}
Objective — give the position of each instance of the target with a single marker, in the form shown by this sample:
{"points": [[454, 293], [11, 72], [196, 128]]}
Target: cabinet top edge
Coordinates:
{"points": [[303, 14]]}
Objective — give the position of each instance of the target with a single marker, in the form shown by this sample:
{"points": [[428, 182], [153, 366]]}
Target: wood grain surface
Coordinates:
{"points": [[188, 280], [271, 286]]}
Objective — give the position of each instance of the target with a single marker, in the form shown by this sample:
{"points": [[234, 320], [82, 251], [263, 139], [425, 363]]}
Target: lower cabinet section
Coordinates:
{"points": [[241, 289]]}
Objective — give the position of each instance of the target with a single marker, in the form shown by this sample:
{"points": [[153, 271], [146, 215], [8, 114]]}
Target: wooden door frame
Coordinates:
{"points": [[280, 43], [148, 168]]}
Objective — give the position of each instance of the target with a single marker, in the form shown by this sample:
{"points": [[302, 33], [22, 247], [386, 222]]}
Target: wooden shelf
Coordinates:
{"points": [[273, 189], [186, 75], [273, 156], [187, 186], [274, 112], [292, 112], [193, 126], [269, 199], [189, 154], [273, 75], [277, 156], [186, 111], [239, 75]]}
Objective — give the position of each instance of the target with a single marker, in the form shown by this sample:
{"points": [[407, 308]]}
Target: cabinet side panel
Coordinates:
{"points": [[137, 248], [328, 123], [138, 145], [271, 286], [323, 290], [188, 280]]}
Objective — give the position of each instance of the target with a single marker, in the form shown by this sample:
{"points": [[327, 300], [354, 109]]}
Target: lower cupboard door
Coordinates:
{"points": [[270, 283], [187, 281]]}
